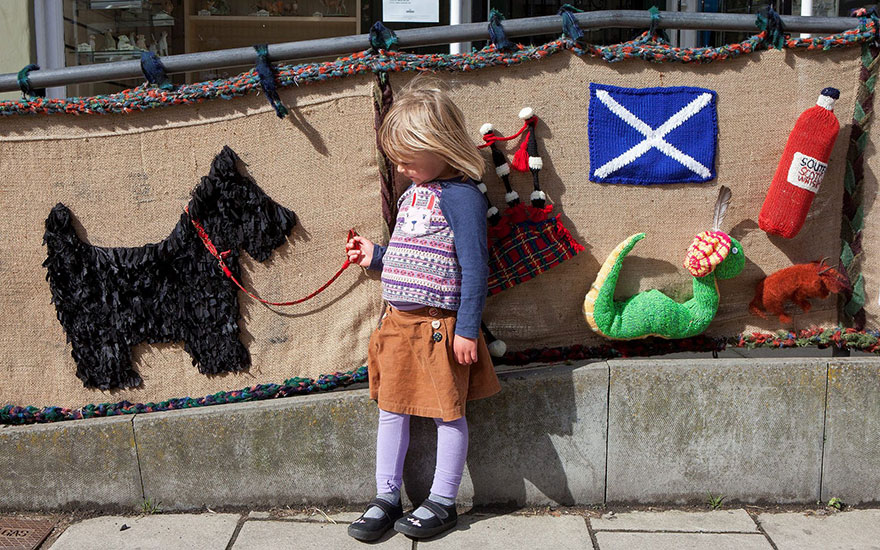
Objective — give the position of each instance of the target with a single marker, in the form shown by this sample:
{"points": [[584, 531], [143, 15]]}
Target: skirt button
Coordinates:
{"points": [[437, 336], [435, 324], [433, 312]]}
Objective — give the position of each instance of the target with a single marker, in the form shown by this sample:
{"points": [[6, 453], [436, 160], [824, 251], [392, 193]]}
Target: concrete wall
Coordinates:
{"points": [[792, 430]]}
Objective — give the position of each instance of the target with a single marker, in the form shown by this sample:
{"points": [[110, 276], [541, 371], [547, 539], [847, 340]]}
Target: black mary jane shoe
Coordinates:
{"points": [[369, 529], [445, 518]]}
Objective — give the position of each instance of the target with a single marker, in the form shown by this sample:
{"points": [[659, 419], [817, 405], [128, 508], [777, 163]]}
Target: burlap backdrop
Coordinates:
{"points": [[870, 262], [127, 177], [759, 98]]}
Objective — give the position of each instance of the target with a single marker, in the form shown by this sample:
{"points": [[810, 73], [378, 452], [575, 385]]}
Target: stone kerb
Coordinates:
{"points": [[852, 432], [87, 464], [746, 428], [672, 430], [541, 440]]}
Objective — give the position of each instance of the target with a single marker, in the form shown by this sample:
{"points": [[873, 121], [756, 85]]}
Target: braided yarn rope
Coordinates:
{"points": [[837, 337], [11, 414], [646, 46], [853, 304]]}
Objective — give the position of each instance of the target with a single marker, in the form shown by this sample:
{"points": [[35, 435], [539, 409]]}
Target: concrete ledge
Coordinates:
{"points": [[321, 449], [540, 441], [852, 432], [89, 463], [748, 428], [315, 449]]}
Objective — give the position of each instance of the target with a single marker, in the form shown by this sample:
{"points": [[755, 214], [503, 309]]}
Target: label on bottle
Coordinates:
{"points": [[806, 172]]}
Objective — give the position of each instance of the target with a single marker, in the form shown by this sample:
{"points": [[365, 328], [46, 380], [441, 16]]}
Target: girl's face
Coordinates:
{"points": [[425, 166]]}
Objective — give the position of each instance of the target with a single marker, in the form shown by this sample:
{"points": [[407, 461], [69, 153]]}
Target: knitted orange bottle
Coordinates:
{"points": [[801, 168]]}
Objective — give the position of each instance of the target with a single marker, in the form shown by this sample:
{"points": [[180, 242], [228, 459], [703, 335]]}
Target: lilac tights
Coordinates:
{"points": [[392, 442]]}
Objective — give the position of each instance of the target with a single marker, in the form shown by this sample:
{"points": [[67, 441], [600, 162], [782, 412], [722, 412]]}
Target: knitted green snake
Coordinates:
{"points": [[713, 255]]}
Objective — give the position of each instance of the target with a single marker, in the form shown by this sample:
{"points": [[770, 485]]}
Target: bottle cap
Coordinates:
{"points": [[828, 97]]}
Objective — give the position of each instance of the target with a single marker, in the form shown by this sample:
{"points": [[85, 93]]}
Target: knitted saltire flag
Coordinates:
{"points": [[648, 136]]}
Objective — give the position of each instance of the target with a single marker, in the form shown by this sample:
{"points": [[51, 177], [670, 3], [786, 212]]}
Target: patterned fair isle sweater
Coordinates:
{"points": [[438, 254]]}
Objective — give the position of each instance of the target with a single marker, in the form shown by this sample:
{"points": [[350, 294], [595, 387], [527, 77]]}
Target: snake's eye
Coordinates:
{"points": [[734, 250]]}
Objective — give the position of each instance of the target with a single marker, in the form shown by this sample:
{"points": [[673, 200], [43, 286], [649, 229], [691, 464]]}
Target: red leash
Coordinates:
{"points": [[221, 256]]}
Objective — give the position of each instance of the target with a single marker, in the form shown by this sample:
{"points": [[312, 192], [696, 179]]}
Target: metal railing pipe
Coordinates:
{"points": [[410, 38]]}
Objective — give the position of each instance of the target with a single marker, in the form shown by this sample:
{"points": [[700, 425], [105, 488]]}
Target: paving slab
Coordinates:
{"points": [[852, 446], [157, 532], [681, 541], [718, 521], [852, 530], [503, 532], [81, 463], [748, 429], [283, 535], [341, 517]]}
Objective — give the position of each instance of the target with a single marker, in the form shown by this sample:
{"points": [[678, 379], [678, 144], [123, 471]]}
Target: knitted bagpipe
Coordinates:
{"points": [[524, 240]]}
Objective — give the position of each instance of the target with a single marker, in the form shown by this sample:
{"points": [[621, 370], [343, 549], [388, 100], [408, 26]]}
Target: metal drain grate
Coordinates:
{"points": [[23, 534]]}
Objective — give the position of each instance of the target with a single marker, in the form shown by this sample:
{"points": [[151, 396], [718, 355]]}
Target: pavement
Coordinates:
{"points": [[735, 528]]}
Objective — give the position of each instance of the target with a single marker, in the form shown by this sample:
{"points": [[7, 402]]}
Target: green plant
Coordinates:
{"points": [[150, 506], [714, 501], [836, 503]]}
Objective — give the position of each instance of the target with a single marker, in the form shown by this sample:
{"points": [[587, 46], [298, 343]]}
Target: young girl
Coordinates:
{"points": [[428, 356]]}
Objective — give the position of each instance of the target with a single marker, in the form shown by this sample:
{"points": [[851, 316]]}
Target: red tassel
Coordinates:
{"points": [[521, 158]]}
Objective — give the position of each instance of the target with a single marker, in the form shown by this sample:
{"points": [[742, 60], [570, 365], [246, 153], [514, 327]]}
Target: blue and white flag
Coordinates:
{"points": [[652, 135]]}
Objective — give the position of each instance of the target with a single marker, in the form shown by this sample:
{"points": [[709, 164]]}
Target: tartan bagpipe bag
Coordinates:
{"points": [[524, 240]]}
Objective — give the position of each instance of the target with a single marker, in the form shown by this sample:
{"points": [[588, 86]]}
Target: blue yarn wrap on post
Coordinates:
{"points": [[154, 71], [768, 20], [381, 37], [655, 31], [24, 83], [864, 14], [267, 80], [496, 32], [570, 27]]}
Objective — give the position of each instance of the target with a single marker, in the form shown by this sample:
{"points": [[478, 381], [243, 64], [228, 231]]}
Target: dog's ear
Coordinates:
{"points": [[268, 229]]}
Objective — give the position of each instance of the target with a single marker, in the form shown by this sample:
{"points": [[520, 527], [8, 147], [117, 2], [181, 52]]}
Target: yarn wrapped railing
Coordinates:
{"points": [[646, 46]]}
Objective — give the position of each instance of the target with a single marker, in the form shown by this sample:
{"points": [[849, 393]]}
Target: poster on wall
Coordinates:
{"points": [[419, 11]]}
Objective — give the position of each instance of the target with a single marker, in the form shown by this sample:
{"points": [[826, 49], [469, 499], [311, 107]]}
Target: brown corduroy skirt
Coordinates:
{"points": [[411, 372]]}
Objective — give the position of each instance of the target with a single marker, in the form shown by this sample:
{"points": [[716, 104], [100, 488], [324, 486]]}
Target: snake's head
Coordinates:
{"points": [[734, 263], [715, 251]]}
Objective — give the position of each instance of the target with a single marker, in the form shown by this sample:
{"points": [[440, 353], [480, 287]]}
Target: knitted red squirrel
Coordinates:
{"points": [[796, 284]]}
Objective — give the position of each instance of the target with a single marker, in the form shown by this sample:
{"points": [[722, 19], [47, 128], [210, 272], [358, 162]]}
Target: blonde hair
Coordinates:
{"points": [[424, 119]]}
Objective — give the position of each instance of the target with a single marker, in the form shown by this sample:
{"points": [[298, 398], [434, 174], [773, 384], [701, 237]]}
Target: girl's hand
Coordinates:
{"points": [[360, 251], [465, 350]]}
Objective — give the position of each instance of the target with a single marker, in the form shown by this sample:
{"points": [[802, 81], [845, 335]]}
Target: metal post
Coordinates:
{"points": [[459, 12], [49, 31]]}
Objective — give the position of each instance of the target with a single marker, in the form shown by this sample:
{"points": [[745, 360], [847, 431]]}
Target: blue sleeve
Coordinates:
{"points": [[378, 253], [464, 207]]}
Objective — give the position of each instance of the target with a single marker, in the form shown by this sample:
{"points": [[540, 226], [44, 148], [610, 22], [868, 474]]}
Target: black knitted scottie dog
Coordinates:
{"points": [[109, 299]]}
